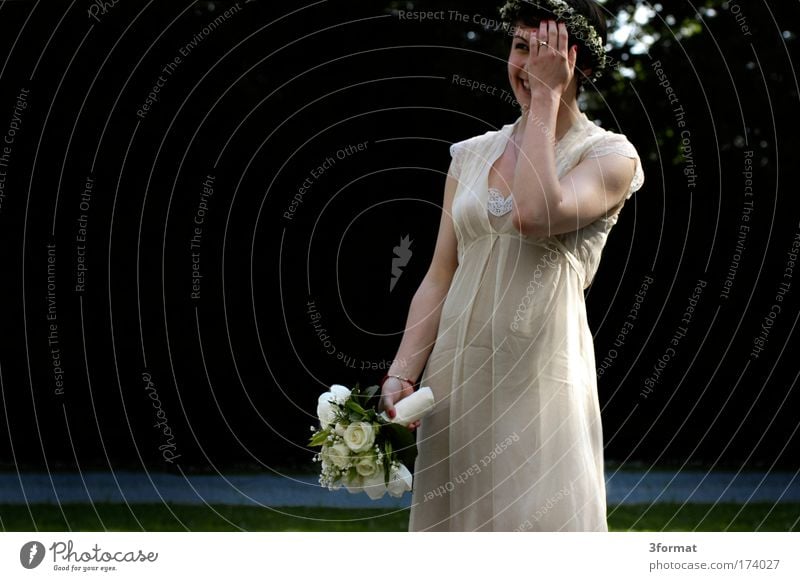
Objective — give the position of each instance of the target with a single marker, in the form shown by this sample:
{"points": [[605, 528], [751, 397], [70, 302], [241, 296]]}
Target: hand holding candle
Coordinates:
{"points": [[412, 408]]}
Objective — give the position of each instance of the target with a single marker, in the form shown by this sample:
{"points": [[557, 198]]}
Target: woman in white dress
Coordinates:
{"points": [[514, 442]]}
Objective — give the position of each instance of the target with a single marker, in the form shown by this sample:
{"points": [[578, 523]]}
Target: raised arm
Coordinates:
{"points": [[544, 204]]}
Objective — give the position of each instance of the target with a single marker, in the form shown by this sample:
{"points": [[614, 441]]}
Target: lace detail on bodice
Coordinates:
{"points": [[497, 204]]}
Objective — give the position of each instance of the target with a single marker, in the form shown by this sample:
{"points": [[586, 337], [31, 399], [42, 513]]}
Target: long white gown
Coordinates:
{"points": [[514, 442]]}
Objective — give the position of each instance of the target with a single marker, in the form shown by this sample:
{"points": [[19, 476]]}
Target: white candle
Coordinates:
{"points": [[411, 408]]}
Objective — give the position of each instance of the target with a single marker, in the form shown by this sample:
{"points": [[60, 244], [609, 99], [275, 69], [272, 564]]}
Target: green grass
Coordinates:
{"points": [[172, 517], [160, 517], [756, 516]]}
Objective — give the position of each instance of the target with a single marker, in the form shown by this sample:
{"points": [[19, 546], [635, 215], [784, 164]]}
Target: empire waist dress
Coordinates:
{"points": [[514, 441]]}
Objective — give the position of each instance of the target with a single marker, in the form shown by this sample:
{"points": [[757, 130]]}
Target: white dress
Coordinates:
{"points": [[514, 442]]}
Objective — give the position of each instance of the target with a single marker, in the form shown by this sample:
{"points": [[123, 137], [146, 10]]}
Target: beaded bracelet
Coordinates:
{"points": [[400, 377]]}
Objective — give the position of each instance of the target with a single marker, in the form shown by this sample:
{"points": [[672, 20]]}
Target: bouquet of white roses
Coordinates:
{"points": [[362, 449]]}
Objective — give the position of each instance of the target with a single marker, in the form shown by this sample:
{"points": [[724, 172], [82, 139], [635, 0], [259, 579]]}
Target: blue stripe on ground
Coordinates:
{"points": [[623, 487]]}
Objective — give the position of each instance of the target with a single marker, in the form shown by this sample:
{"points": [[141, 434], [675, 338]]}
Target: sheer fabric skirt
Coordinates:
{"points": [[515, 441]]}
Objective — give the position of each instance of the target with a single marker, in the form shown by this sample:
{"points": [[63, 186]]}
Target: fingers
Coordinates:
{"points": [[555, 34], [388, 405], [543, 34], [551, 61]]}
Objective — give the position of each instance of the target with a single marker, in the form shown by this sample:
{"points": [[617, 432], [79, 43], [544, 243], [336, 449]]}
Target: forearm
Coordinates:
{"points": [[421, 328], [536, 187]]}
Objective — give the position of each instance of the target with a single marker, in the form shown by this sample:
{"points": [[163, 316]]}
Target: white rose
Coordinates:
{"points": [[374, 485], [339, 455], [359, 436], [354, 485], [366, 465], [340, 392], [325, 410], [400, 480]]}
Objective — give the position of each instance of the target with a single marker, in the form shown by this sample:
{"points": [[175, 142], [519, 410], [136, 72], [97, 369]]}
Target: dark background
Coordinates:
{"points": [[264, 99]]}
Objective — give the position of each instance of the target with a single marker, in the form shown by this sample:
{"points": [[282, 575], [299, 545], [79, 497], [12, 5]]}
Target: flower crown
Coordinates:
{"points": [[577, 25]]}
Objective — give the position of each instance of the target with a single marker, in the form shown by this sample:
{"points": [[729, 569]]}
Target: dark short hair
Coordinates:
{"points": [[530, 13]]}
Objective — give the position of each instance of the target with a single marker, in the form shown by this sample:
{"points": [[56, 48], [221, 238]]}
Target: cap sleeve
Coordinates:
{"points": [[619, 144], [457, 153]]}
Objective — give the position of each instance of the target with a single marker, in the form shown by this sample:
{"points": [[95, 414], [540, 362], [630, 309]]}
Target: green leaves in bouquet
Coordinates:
{"points": [[320, 437], [365, 398], [387, 454], [403, 443], [362, 404]]}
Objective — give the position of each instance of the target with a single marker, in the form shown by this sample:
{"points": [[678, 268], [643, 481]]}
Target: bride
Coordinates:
{"points": [[514, 442]]}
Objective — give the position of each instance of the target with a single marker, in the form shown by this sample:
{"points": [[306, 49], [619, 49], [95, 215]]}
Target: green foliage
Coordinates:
{"points": [[387, 461], [363, 404], [403, 443], [319, 437]]}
